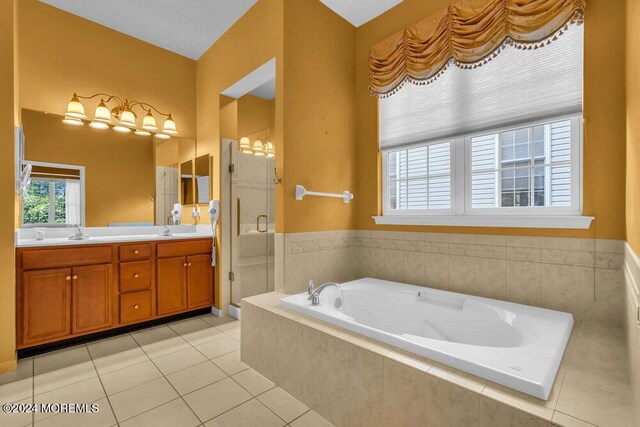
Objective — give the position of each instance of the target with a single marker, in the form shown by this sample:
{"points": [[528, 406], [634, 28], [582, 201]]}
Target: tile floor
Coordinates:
{"points": [[186, 373]]}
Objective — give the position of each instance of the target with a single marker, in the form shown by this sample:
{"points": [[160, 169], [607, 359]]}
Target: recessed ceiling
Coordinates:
{"points": [[359, 12], [187, 28]]}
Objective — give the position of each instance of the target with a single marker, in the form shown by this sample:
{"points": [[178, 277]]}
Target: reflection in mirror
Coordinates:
{"points": [[55, 197], [166, 179], [186, 183], [203, 180], [119, 173]]}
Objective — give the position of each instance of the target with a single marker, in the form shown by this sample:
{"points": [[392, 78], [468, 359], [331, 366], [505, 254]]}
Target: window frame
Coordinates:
{"points": [[461, 212], [81, 170]]}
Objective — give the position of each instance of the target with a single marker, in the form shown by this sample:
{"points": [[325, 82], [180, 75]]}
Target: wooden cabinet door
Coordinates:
{"points": [[46, 305], [171, 285], [92, 297], [200, 280]]}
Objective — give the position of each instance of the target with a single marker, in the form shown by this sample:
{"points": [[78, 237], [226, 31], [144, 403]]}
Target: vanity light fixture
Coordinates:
{"points": [[72, 121], [98, 125], [258, 148], [121, 116], [245, 145], [269, 150]]}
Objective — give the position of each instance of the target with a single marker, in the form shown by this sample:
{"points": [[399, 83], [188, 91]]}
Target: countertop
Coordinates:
{"points": [[104, 235]]}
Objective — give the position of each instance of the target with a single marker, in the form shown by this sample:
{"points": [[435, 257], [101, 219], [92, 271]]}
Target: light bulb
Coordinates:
{"points": [[258, 148], [72, 121], [149, 122], [121, 129], [162, 136], [98, 125], [269, 150], [75, 108], [141, 132], [102, 113], [170, 126], [128, 118]]}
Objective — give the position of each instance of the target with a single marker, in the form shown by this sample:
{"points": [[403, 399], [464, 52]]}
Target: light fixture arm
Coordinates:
{"points": [[147, 107]]}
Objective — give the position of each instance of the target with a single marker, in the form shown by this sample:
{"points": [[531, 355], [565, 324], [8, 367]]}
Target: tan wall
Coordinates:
{"points": [[319, 130], [8, 119], [119, 169], [252, 41], [633, 125], [61, 53], [254, 116], [604, 110]]}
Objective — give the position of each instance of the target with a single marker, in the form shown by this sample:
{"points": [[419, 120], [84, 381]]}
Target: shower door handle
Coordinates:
{"points": [[266, 223], [238, 217]]}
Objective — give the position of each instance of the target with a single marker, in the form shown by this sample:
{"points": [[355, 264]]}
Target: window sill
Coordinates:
{"points": [[519, 221]]}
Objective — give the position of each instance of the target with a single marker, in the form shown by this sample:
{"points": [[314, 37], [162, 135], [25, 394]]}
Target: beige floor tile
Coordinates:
{"points": [[179, 360], [230, 328], [87, 391], [218, 347], [251, 413], [116, 353], [183, 327], [214, 320], [203, 336], [254, 382], [172, 414], [195, 377], [568, 421], [17, 385], [132, 376], [17, 419], [103, 418], [311, 419], [64, 376], [282, 403], [139, 399], [60, 359], [235, 336], [214, 399], [159, 341], [231, 363]]}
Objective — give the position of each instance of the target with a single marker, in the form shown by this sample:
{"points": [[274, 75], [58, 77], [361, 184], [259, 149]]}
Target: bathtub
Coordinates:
{"points": [[511, 344]]}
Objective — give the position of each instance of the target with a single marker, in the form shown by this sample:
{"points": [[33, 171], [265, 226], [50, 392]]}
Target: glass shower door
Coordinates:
{"points": [[253, 225]]}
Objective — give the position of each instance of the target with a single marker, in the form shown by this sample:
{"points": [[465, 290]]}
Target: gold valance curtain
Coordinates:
{"points": [[469, 32]]}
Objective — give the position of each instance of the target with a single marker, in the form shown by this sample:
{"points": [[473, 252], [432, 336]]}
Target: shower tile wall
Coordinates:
{"points": [[582, 276]]}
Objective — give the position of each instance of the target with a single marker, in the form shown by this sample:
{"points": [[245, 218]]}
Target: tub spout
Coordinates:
{"points": [[314, 297]]}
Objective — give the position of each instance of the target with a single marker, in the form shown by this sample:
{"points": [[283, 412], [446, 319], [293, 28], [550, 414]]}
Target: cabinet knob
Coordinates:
{"points": [[185, 264], [135, 276], [68, 278], [136, 252], [189, 264], [75, 277], [136, 306]]}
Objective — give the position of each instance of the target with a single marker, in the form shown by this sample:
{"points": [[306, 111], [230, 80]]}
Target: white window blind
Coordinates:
{"points": [[515, 87]]}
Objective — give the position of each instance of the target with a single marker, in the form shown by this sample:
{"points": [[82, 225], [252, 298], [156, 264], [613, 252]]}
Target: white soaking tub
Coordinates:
{"points": [[511, 344]]}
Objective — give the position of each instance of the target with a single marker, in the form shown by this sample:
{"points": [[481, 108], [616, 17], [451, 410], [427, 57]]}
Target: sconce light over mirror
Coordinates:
{"points": [[121, 117]]}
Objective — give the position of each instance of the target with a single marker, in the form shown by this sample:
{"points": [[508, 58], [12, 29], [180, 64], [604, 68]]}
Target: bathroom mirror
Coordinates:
{"points": [[203, 179], [126, 180]]}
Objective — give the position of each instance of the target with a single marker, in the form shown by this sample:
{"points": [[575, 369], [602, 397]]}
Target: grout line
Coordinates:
{"points": [[103, 389]]}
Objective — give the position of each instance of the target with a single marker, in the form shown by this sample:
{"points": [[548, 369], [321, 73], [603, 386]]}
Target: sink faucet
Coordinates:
{"points": [[79, 234], [314, 296], [166, 231]]}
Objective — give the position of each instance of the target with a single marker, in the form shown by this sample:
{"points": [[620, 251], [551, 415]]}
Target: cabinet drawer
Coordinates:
{"points": [[135, 276], [67, 257], [135, 252], [191, 247], [135, 307]]}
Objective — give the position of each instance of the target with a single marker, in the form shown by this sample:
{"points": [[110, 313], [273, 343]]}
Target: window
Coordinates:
{"points": [[54, 197], [497, 141]]}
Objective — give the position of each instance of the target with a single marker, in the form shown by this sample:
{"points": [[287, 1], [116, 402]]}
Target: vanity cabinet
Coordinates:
{"points": [[46, 305], [68, 291]]}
